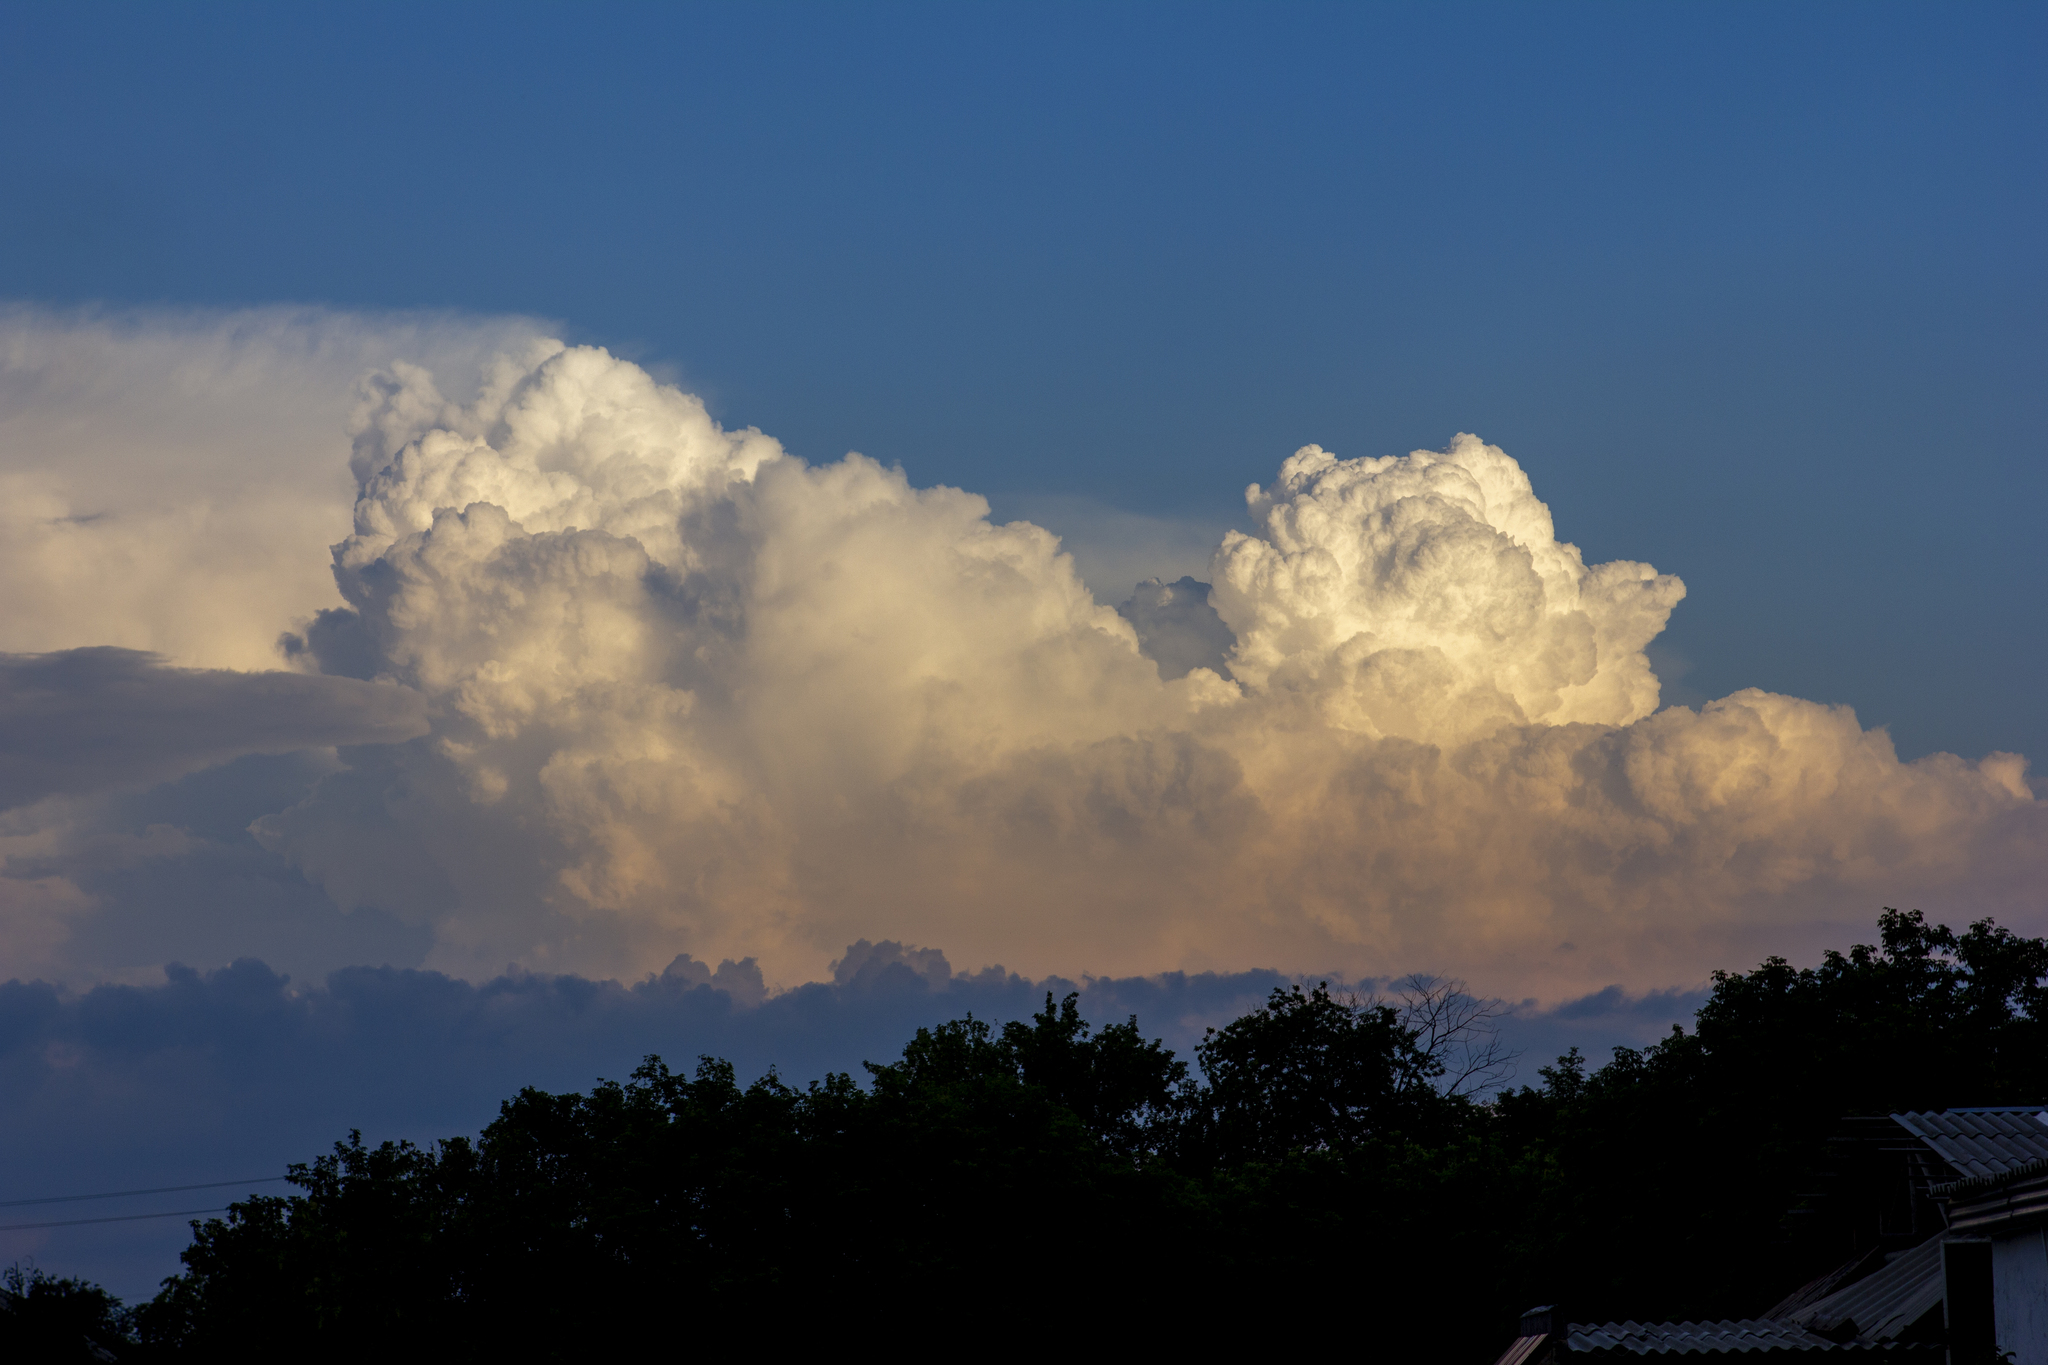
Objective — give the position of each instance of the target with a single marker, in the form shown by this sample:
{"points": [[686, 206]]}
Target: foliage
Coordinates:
{"points": [[1306, 1073], [1331, 1155], [45, 1318], [1683, 1171]]}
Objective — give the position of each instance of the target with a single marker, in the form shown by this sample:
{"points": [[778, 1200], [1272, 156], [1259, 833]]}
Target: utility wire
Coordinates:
{"points": [[123, 1194], [119, 1218]]}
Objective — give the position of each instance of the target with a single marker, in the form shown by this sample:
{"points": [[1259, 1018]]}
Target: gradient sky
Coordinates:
{"points": [[1751, 293], [1754, 290]]}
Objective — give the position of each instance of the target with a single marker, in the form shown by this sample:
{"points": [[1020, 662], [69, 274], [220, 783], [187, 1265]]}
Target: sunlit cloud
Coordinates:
{"points": [[688, 693]]}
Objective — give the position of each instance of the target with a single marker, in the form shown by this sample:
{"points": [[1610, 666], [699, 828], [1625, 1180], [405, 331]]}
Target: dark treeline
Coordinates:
{"points": [[1325, 1164]]}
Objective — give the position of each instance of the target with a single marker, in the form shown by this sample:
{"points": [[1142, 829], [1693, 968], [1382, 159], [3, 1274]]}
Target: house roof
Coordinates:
{"points": [[1983, 1143], [1887, 1301], [1813, 1291], [1618, 1339], [1523, 1349], [1993, 1206], [1983, 1147]]}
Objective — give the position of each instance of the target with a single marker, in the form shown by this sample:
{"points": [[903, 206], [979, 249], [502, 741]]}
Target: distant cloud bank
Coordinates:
{"points": [[578, 679]]}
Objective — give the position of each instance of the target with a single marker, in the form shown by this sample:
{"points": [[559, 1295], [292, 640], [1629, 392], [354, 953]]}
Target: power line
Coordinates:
{"points": [[123, 1194], [118, 1218]]}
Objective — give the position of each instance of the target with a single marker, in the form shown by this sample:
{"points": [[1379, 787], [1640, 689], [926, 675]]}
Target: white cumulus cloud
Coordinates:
{"points": [[692, 691], [1427, 595], [691, 695]]}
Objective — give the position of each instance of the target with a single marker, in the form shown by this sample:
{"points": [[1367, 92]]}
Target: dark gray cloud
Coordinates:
{"points": [[1177, 627], [79, 721], [1616, 1003], [232, 1073]]}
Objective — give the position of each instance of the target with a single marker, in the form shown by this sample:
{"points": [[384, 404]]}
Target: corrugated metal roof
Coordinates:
{"points": [[2021, 1201], [1970, 1187], [1812, 1292], [1885, 1302], [1682, 1338], [1982, 1143], [1523, 1349]]}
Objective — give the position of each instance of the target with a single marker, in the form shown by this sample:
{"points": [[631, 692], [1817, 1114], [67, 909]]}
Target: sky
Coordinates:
{"points": [[433, 557]]}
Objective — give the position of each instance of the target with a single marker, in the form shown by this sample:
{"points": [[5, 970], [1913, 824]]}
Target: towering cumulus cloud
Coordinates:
{"points": [[611, 684], [1428, 596], [690, 693]]}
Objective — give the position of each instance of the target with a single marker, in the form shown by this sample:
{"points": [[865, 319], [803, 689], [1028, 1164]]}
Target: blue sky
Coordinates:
{"points": [[1752, 293], [1754, 290]]}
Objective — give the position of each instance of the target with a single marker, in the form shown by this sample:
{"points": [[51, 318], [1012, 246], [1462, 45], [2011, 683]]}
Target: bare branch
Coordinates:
{"points": [[1458, 1031]]}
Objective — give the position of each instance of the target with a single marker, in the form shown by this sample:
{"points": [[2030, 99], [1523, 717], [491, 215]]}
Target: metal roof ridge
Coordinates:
{"points": [[1761, 1327], [1975, 1184]]}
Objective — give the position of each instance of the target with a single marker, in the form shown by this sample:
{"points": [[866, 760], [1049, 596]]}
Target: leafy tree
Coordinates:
{"points": [[959, 1174], [1128, 1091], [1710, 1146], [1307, 1072], [1327, 1153], [45, 1318]]}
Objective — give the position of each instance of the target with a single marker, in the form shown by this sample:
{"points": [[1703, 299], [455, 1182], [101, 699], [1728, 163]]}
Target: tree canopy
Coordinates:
{"points": [[1330, 1158]]}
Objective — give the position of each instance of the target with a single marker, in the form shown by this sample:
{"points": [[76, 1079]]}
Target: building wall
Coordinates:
{"points": [[2019, 1293]]}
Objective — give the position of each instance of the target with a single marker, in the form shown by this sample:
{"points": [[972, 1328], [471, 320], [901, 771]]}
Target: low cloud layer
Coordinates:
{"points": [[689, 694]]}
